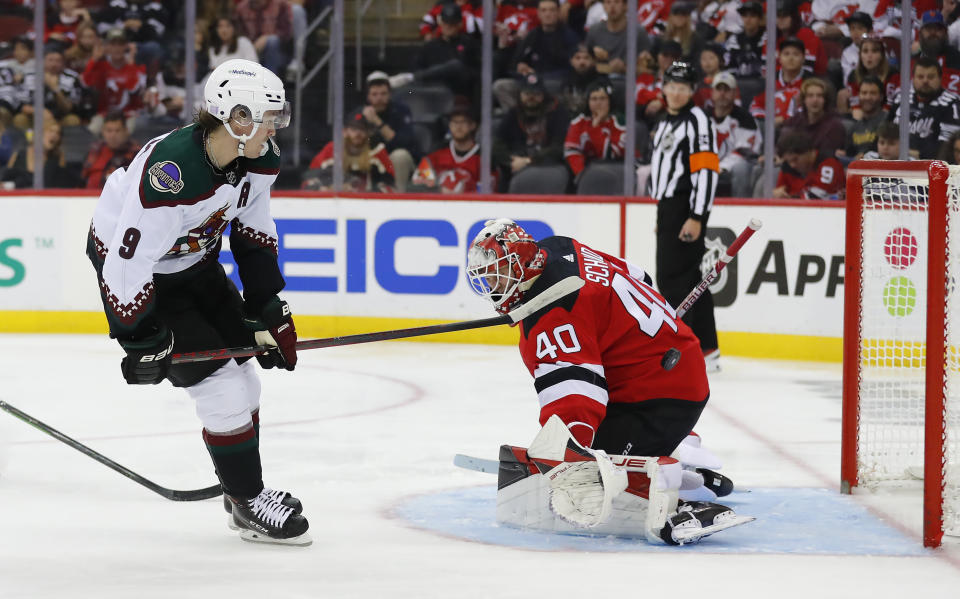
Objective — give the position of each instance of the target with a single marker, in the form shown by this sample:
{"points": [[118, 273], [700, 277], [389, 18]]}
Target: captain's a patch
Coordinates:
{"points": [[166, 177]]}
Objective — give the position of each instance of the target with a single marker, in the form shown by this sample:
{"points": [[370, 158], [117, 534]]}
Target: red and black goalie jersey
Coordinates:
{"points": [[604, 343]]}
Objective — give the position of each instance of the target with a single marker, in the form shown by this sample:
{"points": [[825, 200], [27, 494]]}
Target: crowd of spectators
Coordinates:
{"points": [[559, 70], [113, 73], [114, 70]]}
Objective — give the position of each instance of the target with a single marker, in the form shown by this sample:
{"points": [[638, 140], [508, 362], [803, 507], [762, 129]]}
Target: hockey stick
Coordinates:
{"points": [[173, 495], [725, 259], [467, 462], [549, 295], [486, 466]]}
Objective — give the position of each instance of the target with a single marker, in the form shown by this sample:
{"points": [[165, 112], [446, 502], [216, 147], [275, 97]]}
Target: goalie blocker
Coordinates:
{"points": [[557, 485]]}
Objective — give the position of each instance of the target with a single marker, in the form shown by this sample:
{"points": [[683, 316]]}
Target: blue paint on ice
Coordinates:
{"points": [[789, 520]]}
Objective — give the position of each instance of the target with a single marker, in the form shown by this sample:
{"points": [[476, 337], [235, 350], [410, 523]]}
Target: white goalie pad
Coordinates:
{"points": [[593, 495], [582, 492]]}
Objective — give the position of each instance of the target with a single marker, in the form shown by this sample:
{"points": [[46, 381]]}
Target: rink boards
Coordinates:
{"points": [[356, 264]]}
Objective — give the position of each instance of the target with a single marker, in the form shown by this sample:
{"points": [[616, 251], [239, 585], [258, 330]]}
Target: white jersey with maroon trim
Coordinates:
{"points": [[604, 344], [167, 212]]}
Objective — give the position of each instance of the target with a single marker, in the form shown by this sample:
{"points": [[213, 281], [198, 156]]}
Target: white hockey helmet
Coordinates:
{"points": [[247, 93]]}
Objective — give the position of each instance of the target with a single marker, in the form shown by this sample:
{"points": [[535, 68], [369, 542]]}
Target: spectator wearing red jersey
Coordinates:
{"points": [[872, 63], [816, 116], [62, 23], [455, 168], [117, 80], [269, 25], [472, 11], [807, 173], [597, 135], [934, 43], [788, 83], [114, 150], [790, 25], [364, 168], [649, 94]]}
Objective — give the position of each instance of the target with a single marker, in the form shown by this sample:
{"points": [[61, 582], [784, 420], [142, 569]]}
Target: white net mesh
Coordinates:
{"points": [[893, 337]]}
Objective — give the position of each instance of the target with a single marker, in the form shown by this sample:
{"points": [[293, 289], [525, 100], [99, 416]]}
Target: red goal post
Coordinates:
{"points": [[901, 375]]}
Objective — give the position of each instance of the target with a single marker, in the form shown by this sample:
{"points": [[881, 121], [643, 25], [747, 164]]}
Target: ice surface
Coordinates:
{"points": [[365, 436]]}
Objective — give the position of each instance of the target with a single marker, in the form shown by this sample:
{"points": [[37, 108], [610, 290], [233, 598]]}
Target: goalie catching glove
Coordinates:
{"points": [[274, 327]]}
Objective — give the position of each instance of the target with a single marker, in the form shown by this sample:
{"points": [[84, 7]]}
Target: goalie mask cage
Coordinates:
{"points": [[901, 338]]}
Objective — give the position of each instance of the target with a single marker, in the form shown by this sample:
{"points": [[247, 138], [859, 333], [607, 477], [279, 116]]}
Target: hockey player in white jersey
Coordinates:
{"points": [[154, 242]]}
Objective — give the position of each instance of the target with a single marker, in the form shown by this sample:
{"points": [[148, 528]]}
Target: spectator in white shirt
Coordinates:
{"points": [[226, 43]]}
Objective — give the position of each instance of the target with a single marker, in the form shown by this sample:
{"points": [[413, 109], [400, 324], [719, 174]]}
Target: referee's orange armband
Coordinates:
{"points": [[702, 160]]}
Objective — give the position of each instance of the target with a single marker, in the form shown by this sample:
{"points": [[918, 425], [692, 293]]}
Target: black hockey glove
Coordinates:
{"points": [[274, 327], [148, 359]]}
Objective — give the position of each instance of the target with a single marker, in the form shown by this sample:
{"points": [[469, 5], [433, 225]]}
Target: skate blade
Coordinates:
{"points": [[695, 534], [255, 537]]}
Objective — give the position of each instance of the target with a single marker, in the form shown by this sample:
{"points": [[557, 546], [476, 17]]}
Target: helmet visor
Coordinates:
{"points": [[277, 119]]}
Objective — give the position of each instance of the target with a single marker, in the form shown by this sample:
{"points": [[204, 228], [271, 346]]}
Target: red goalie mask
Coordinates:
{"points": [[503, 262]]}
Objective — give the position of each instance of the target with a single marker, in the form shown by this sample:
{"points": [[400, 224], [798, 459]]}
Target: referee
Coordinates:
{"points": [[684, 175]]}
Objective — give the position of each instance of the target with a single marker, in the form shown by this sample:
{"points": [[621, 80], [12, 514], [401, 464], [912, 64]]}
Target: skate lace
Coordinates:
{"points": [[277, 496], [270, 510]]}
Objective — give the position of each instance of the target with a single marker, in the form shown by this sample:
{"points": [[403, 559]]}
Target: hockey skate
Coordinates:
{"points": [[695, 520], [283, 497], [264, 519]]}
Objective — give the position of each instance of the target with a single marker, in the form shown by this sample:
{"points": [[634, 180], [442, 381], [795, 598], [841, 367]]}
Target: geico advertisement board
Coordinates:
{"points": [[788, 279], [383, 258], [405, 258]]}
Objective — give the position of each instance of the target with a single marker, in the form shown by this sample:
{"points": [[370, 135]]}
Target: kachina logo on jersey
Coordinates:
{"points": [[165, 177]]}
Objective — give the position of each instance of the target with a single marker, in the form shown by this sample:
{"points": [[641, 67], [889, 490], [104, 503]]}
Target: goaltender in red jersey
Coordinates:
{"points": [[604, 364]]}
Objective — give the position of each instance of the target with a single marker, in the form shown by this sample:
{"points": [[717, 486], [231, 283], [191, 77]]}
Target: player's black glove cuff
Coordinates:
{"points": [[148, 360], [274, 327]]}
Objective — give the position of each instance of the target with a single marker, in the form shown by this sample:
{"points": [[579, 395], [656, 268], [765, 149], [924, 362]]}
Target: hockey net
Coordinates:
{"points": [[901, 387]]}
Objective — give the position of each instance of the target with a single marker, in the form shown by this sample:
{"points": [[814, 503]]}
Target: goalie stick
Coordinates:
{"points": [[171, 494], [725, 259], [549, 295]]}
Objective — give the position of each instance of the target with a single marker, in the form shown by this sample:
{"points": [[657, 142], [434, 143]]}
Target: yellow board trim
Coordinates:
{"points": [[732, 343], [781, 347]]}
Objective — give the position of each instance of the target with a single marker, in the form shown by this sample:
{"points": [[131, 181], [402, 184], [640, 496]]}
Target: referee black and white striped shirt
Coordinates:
{"points": [[685, 162]]}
